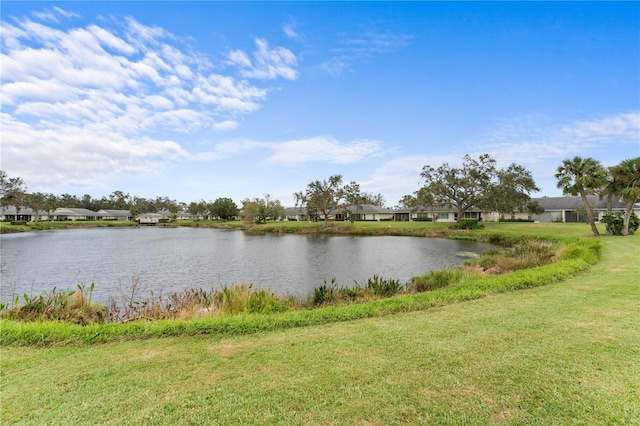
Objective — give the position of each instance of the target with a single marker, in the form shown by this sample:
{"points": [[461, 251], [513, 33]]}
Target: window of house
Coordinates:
{"points": [[443, 215]]}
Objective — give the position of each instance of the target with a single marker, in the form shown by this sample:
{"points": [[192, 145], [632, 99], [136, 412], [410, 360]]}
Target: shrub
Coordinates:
{"points": [[615, 222], [422, 219], [71, 306], [467, 223], [384, 287], [526, 253], [435, 280]]}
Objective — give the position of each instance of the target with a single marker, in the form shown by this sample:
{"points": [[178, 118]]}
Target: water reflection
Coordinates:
{"points": [[171, 259]]}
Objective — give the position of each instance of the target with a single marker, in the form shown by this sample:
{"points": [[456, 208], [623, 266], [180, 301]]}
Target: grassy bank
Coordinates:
{"points": [[565, 353]]}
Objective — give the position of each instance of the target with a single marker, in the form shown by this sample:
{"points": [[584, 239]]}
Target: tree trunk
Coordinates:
{"points": [[627, 218], [587, 208], [609, 212]]}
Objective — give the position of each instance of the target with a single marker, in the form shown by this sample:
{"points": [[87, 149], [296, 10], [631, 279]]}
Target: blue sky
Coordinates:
{"points": [[200, 100]]}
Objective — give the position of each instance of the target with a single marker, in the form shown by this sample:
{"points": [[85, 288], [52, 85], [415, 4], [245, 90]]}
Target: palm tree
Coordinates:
{"points": [[627, 174], [582, 176]]}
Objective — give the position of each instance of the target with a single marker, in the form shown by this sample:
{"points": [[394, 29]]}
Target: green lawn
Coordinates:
{"points": [[563, 354]]}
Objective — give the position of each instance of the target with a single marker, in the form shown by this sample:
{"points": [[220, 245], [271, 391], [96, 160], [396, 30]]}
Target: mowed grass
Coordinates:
{"points": [[564, 354]]}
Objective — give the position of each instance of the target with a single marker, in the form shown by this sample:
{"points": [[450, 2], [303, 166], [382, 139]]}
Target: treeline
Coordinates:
{"points": [[13, 192]]}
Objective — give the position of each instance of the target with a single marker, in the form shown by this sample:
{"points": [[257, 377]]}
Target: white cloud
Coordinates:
{"points": [[79, 156], [268, 63], [291, 31], [226, 125], [78, 102], [362, 47], [527, 142], [322, 149]]}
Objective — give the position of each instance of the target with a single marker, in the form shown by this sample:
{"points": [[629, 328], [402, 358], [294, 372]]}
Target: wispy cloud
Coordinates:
{"points": [[293, 153], [291, 31], [322, 149], [361, 47], [88, 99], [79, 156], [528, 142], [267, 63]]}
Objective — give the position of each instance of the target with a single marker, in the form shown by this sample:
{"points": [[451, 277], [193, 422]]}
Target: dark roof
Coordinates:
{"points": [[369, 208], [295, 210], [573, 203]]}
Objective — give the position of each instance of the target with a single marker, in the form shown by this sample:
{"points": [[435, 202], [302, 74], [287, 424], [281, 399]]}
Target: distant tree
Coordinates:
{"points": [[204, 209], [68, 200], [224, 208], [119, 200], [194, 209], [582, 176], [174, 209], [87, 202], [321, 197], [421, 202], [352, 198], [140, 205], [12, 192], [50, 204], [36, 202], [259, 210], [511, 190], [627, 176], [407, 201], [163, 203], [373, 199], [135, 210], [462, 187]]}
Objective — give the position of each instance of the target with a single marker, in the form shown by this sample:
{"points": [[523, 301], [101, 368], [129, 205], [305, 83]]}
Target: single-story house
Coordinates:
{"points": [[557, 209], [116, 214], [150, 218], [571, 209], [439, 214], [24, 214], [69, 213], [296, 213], [364, 212]]}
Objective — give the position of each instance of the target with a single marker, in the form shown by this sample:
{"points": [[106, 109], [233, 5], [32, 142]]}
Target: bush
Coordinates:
{"points": [[70, 306], [384, 287], [435, 280], [615, 222], [467, 223], [422, 219]]}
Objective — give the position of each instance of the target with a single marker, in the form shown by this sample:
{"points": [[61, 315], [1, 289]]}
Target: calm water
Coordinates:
{"points": [[171, 259]]}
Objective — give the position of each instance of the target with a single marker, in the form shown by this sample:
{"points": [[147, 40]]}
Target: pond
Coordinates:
{"points": [[171, 259]]}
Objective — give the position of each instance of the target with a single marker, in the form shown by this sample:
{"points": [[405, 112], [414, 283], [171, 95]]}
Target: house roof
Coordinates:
{"points": [[157, 215], [434, 209], [72, 211], [369, 208], [11, 210], [295, 210], [120, 213], [572, 203]]}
